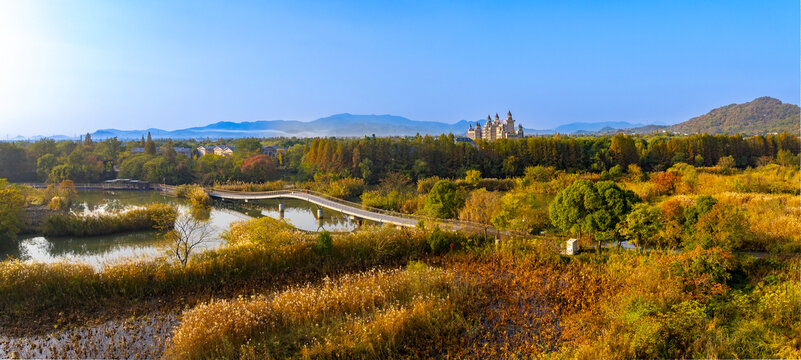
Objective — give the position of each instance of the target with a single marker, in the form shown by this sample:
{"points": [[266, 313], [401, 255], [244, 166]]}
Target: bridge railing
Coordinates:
{"points": [[454, 223]]}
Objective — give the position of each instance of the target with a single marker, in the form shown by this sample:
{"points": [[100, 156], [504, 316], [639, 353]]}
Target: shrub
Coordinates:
{"points": [[58, 203], [324, 243], [723, 226], [200, 199], [538, 173], [438, 241], [702, 205], [444, 200], [425, 185]]}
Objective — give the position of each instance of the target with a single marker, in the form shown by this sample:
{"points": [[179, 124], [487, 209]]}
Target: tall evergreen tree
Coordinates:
{"points": [[150, 146]]}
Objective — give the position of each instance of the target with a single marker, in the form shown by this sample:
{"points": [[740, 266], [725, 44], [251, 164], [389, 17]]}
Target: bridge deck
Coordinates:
{"points": [[320, 201]]}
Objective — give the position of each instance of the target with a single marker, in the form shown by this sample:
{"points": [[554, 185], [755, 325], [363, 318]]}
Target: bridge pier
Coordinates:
{"points": [[319, 213], [281, 210]]}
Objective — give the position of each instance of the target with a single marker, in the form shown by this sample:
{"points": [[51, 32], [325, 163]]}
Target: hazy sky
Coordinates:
{"points": [[68, 67]]}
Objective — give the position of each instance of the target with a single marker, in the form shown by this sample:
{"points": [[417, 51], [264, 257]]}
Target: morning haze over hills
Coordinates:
{"points": [[760, 116]]}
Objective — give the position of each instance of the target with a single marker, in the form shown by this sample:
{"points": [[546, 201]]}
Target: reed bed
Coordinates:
{"points": [[252, 187], [143, 218], [373, 314]]}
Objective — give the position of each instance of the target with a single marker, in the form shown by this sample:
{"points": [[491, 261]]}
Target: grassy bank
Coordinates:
{"points": [[145, 218]]}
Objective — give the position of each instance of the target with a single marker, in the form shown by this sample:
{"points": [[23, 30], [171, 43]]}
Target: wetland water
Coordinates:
{"points": [[97, 250]]}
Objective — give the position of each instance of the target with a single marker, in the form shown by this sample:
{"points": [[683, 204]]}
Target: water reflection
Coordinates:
{"points": [[99, 250]]}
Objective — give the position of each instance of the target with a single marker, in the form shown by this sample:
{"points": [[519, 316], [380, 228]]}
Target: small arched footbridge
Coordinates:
{"points": [[353, 209]]}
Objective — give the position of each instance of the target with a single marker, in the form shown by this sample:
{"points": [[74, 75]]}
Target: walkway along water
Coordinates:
{"points": [[352, 209]]}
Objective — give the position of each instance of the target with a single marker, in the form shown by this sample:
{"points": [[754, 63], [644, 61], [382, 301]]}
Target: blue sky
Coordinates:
{"points": [[68, 67]]}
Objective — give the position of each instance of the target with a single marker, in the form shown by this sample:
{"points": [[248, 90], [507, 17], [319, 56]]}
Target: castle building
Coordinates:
{"points": [[495, 129]]}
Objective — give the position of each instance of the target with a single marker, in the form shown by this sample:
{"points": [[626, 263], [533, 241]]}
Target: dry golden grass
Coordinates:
{"points": [[360, 315]]}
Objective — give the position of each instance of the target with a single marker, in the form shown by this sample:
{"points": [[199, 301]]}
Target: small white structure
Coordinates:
{"points": [[571, 247]]}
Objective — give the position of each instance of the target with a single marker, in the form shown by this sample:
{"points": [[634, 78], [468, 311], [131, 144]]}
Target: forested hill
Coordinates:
{"points": [[760, 116]]}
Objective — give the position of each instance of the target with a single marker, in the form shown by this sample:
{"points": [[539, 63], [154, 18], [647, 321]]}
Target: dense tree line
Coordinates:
{"points": [[372, 158]]}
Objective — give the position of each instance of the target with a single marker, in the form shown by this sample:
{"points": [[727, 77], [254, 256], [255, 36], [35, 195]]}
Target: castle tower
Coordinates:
{"points": [[509, 126]]}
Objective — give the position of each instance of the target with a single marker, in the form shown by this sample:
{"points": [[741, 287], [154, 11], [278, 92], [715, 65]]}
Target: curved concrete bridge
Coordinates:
{"points": [[352, 209], [328, 202]]}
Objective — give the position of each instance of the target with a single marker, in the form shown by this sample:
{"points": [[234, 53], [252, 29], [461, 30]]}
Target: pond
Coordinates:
{"points": [[99, 250]]}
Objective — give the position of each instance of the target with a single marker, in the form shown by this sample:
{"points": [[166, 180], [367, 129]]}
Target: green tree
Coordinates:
{"points": [[786, 158], [45, 164], [521, 211], [623, 150], [703, 204], [473, 178], [585, 207], [481, 206], [444, 200], [169, 151], [726, 163], [723, 226], [150, 146], [42, 147], [109, 148], [538, 173], [132, 167], [248, 145], [642, 225], [64, 172], [11, 207]]}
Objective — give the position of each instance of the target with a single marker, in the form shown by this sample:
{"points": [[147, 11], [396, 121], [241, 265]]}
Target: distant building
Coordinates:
{"points": [[495, 129], [222, 150]]}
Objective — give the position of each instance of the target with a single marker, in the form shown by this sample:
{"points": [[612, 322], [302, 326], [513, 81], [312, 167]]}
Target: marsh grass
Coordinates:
{"points": [[142, 218], [373, 314]]}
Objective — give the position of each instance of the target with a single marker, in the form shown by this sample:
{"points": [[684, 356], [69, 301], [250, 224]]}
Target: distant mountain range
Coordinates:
{"points": [[342, 125], [763, 115]]}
